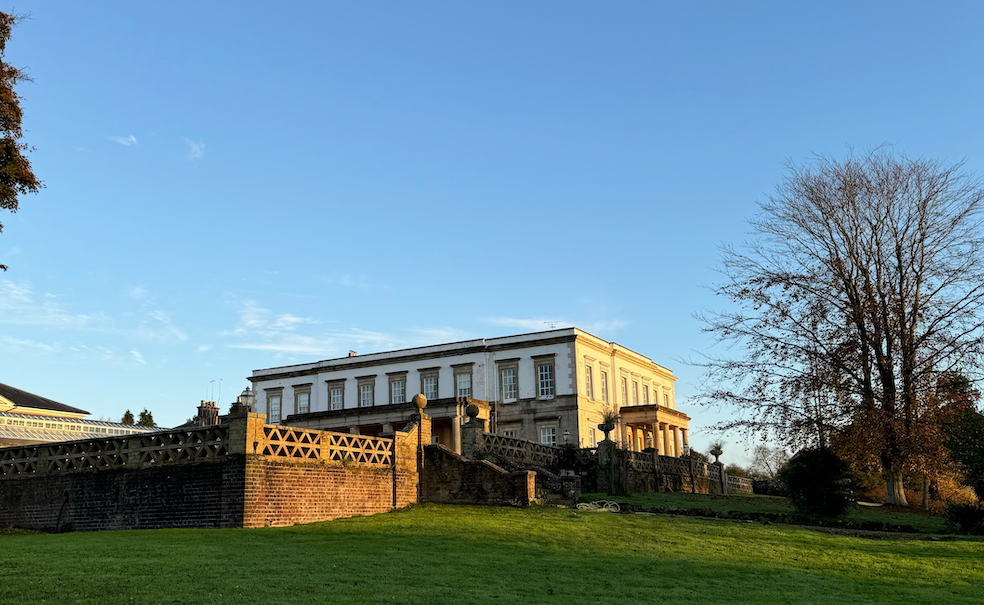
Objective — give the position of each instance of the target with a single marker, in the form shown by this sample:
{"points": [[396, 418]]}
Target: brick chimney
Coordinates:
{"points": [[208, 414]]}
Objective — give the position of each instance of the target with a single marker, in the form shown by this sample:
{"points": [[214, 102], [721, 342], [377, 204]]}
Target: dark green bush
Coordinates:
{"points": [[818, 482], [965, 518]]}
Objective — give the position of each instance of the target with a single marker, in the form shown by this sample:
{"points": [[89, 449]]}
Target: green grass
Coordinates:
{"points": [[462, 554], [925, 523]]}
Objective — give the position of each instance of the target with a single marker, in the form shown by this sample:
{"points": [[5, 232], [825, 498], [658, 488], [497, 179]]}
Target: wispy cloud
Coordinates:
{"points": [[18, 305], [137, 357], [195, 150], [17, 344], [532, 324], [539, 324], [433, 336], [127, 141], [157, 325], [259, 329], [138, 292], [345, 280]]}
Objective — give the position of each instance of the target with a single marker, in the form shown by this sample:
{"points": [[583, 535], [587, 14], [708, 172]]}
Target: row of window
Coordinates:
{"points": [[589, 387], [429, 386], [509, 380], [63, 426]]}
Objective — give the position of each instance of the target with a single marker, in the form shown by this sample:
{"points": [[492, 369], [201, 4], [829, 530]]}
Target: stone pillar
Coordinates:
{"points": [[676, 442], [472, 435], [606, 457], [353, 430], [246, 432], [686, 441], [724, 477], [667, 447], [456, 432]]}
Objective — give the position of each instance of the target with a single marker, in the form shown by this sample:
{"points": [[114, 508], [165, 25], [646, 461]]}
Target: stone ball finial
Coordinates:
{"points": [[472, 410], [419, 401]]}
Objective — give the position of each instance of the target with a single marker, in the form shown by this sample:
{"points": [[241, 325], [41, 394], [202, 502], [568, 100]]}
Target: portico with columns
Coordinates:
{"points": [[655, 426]]}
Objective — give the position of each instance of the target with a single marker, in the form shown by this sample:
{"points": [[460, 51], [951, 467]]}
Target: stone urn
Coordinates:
{"points": [[606, 428]]}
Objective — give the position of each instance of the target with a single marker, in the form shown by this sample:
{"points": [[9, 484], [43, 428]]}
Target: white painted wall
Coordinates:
{"points": [[484, 367]]}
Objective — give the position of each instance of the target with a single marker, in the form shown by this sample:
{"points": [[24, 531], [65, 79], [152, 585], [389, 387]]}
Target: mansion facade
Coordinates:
{"points": [[550, 387]]}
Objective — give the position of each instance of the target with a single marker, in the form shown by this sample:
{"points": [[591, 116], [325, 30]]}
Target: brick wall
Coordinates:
{"points": [[158, 480], [207, 494], [285, 493]]}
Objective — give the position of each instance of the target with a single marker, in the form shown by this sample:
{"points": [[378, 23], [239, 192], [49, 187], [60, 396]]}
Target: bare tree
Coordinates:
{"points": [[768, 461], [862, 285]]}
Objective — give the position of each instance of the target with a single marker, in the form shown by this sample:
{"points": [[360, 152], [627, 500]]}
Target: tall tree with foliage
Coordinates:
{"points": [[127, 418], [146, 418], [862, 285], [16, 175]]}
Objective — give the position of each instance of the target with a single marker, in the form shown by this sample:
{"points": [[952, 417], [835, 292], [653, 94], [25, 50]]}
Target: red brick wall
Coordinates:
{"points": [[288, 492], [208, 494]]}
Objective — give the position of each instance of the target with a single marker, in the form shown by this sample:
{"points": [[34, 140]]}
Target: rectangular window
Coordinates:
{"points": [[510, 386], [666, 399], [625, 390], [302, 401], [337, 395], [273, 407], [604, 386], [635, 393], [592, 438], [398, 391], [548, 436], [429, 384], [365, 395], [509, 433], [545, 378], [589, 382], [430, 387], [464, 387], [645, 394]]}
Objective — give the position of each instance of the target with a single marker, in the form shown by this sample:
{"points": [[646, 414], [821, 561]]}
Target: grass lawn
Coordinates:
{"points": [[770, 504], [463, 554]]}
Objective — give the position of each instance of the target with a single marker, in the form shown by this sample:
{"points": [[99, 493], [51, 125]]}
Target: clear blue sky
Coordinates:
{"points": [[232, 187]]}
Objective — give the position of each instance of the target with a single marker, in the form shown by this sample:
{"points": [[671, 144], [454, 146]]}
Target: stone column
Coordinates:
{"points": [[684, 432], [456, 432], [676, 441], [353, 430], [667, 448]]}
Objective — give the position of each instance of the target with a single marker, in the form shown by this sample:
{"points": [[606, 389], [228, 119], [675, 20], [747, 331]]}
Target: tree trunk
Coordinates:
{"points": [[894, 492], [925, 493]]}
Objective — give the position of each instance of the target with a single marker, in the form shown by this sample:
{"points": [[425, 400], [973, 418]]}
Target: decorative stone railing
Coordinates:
{"points": [[135, 451], [520, 450], [741, 485], [200, 445], [302, 444], [674, 466], [642, 461]]}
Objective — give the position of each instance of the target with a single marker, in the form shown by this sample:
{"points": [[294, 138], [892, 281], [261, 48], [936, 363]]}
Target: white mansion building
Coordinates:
{"points": [[551, 387]]}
